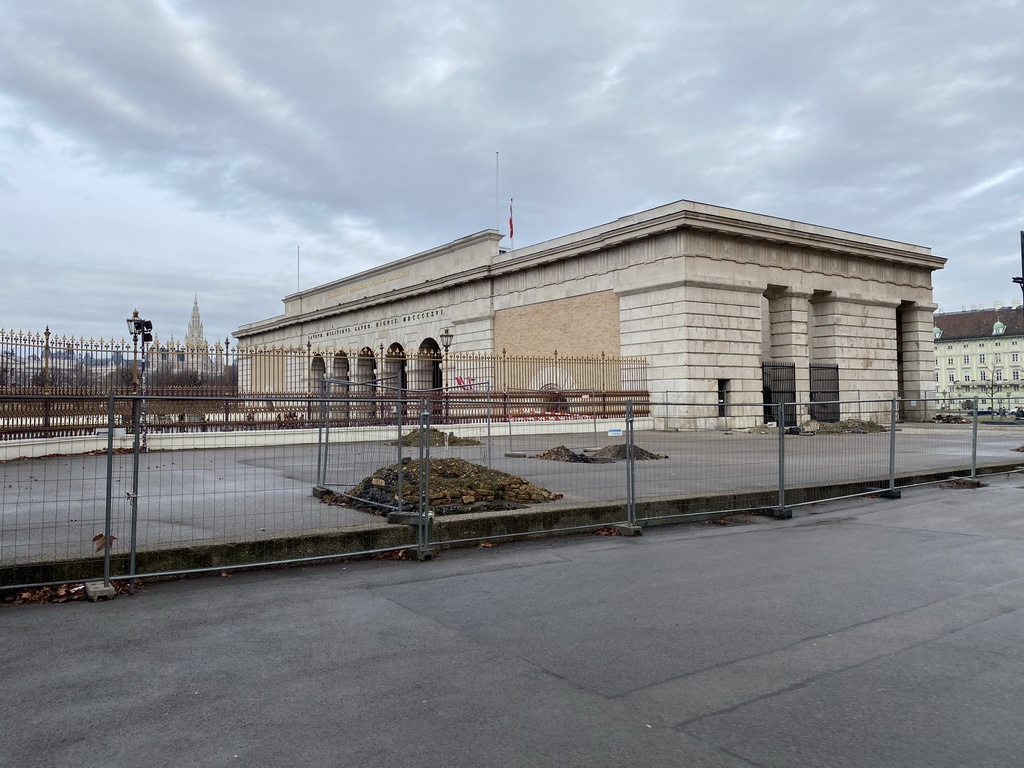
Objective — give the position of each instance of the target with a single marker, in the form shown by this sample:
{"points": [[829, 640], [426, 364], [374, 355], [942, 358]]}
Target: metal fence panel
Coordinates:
{"points": [[542, 470], [226, 482]]}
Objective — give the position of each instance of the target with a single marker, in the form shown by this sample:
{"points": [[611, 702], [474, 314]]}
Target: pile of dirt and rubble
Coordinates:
{"points": [[812, 427], [437, 438], [844, 427], [607, 455], [616, 452], [456, 486], [950, 418], [561, 453]]}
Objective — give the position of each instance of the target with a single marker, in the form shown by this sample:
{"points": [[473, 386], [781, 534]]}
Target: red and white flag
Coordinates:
{"points": [[510, 228]]}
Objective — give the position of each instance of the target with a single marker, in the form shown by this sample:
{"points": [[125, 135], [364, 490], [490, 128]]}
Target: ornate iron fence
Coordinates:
{"points": [[50, 379]]}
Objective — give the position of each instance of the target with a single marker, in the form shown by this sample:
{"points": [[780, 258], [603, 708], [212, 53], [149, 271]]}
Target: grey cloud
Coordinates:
{"points": [[370, 130]]}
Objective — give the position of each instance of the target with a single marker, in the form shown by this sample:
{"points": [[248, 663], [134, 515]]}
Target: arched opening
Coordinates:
{"points": [[340, 392], [317, 372], [364, 378], [427, 373], [395, 374], [339, 367]]}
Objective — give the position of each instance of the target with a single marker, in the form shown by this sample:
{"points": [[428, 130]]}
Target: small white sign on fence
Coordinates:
{"points": [[614, 433]]}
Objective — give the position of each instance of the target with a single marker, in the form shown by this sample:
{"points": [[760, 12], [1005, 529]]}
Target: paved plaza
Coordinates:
{"points": [[864, 632]]}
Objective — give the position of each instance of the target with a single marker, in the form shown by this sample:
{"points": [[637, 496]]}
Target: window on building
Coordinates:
{"points": [[998, 329], [999, 358], [981, 345], [999, 343], [949, 361], [952, 376], [981, 358], [967, 375], [967, 359], [1014, 357], [983, 375], [999, 374], [1016, 374], [723, 396]]}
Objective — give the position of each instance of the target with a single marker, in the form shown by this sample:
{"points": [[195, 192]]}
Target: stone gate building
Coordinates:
{"points": [[729, 308]]}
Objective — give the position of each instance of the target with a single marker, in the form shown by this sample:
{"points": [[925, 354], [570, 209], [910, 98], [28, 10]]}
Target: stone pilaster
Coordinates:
{"points": [[918, 353], [788, 326]]}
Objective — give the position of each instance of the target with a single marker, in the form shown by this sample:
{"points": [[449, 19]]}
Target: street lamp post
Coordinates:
{"points": [[143, 329], [446, 342]]}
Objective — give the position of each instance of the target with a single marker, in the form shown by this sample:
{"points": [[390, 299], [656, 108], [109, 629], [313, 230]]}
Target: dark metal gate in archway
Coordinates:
{"points": [[824, 380], [778, 382]]}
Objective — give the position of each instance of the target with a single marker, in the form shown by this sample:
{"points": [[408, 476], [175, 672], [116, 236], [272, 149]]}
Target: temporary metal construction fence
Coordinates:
{"points": [[127, 503]]}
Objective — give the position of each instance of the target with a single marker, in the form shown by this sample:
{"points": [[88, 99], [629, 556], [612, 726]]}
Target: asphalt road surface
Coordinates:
{"points": [[864, 632]]}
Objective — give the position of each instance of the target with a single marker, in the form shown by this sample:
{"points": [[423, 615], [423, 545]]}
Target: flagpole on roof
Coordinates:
{"points": [[497, 200]]}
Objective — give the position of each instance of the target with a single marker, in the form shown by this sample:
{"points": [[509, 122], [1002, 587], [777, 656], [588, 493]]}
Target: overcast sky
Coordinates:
{"points": [[154, 150]]}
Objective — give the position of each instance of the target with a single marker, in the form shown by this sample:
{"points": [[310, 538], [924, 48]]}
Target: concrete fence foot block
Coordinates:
{"points": [[97, 590], [630, 530]]}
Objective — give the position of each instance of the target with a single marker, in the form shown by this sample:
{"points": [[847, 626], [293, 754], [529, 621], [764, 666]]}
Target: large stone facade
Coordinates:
{"points": [[705, 294]]}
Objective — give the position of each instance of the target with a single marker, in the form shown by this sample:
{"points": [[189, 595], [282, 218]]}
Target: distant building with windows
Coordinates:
{"points": [[979, 355]]}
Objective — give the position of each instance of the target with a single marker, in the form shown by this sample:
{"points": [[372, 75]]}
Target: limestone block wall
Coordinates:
{"points": [[866, 331]]}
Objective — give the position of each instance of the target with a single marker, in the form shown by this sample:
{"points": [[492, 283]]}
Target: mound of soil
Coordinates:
{"points": [[614, 452], [561, 453], [437, 438], [456, 486]]}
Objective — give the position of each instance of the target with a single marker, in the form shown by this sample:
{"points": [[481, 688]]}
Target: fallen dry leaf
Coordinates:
{"points": [[395, 554], [100, 540]]}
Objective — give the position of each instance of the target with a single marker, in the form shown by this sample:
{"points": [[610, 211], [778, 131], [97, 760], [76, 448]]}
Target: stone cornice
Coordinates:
{"points": [[739, 286], [713, 219]]}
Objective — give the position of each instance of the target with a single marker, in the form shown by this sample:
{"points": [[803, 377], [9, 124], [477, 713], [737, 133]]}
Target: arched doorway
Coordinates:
{"points": [[395, 375], [317, 372], [364, 390], [426, 372]]}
